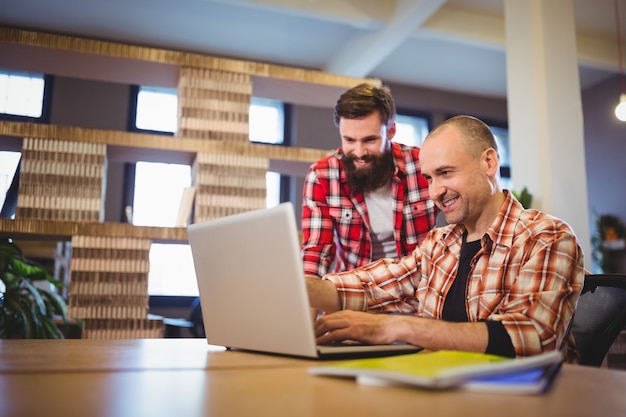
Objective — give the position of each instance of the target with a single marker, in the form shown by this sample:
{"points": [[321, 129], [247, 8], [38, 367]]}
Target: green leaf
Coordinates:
{"points": [[21, 321], [56, 304], [26, 310], [52, 331], [34, 293], [524, 197], [31, 271]]}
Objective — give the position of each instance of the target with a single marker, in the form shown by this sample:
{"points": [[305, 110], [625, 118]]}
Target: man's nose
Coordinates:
{"points": [[359, 150], [435, 190]]}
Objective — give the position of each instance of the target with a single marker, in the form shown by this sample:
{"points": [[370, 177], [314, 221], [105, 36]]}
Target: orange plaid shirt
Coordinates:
{"points": [[527, 275]]}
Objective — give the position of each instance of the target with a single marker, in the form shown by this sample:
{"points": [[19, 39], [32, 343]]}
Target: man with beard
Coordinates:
{"points": [[497, 279], [368, 200]]}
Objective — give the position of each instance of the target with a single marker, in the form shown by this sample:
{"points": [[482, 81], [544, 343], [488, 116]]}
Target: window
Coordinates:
{"points": [[267, 125], [8, 167], [502, 138], [171, 270], [266, 121], [158, 187], [272, 196], [411, 130], [22, 94], [157, 109]]}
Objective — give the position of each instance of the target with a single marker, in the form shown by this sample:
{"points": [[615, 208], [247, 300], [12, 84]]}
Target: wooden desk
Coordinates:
{"points": [[271, 389], [72, 355]]}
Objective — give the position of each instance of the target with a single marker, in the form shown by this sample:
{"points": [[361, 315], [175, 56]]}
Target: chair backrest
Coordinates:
{"points": [[600, 316], [195, 317]]}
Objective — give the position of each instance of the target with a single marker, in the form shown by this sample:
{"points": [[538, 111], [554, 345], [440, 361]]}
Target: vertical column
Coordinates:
{"points": [[545, 110]]}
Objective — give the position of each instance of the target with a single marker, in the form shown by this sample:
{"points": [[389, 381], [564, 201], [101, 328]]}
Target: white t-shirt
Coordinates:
{"points": [[380, 211]]}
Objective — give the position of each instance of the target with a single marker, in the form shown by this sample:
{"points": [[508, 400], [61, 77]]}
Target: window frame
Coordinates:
{"points": [[128, 198], [505, 170], [8, 207], [415, 113], [284, 109], [132, 114], [46, 101]]}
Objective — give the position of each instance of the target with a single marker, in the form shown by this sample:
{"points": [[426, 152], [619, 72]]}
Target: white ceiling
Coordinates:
{"points": [[456, 45]]}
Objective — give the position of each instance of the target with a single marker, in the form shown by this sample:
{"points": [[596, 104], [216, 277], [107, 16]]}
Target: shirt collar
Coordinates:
{"points": [[502, 229], [500, 232], [398, 159]]}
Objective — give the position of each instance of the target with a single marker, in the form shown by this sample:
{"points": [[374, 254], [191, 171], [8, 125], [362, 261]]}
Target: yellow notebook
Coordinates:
{"points": [[439, 370]]}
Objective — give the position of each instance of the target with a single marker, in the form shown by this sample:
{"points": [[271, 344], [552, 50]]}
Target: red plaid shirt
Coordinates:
{"points": [[335, 224], [528, 275]]}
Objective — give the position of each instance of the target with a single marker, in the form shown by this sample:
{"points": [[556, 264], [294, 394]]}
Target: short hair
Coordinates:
{"points": [[476, 134], [364, 99]]}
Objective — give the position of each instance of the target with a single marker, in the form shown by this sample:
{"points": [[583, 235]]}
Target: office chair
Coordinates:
{"points": [[600, 316], [195, 322]]}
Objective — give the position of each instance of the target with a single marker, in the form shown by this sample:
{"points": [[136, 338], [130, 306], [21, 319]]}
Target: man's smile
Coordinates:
{"points": [[447, 204]]}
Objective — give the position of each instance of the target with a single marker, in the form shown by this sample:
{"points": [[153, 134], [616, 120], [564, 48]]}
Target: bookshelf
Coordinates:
{"points": [[61, 194], [142, 141], [64, 230]]}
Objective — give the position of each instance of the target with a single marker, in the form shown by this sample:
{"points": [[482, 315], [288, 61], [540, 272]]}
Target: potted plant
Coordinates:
{"points": [[26, 310], [609, 238], [524, 197]]}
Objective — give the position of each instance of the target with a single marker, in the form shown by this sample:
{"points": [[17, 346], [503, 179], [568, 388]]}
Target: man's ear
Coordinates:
{"points": [[391, 132], [490, 159]]}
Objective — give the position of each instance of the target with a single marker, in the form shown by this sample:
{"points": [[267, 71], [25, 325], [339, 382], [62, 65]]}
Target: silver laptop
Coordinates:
{"points": [[252, 287]]}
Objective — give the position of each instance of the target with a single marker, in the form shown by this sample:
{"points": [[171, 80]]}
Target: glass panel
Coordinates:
{"points": [[159, 189], [8, 165], [171, 270], [410, 130], [21, 94], [502, 137], [506, 183], [266, 121], [157, 109], [272, 181]]}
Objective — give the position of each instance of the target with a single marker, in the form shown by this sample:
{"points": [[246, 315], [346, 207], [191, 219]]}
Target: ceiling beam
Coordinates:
{"points": [[362, 14], [487, 30], [390, 22], [466, 26], [362, 54]]}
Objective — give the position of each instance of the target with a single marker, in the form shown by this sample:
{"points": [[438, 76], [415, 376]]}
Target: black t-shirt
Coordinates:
{"points": [[454, 307]]}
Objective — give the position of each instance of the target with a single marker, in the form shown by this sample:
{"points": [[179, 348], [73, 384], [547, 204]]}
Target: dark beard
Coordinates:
{"points": [[362, 180]]}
